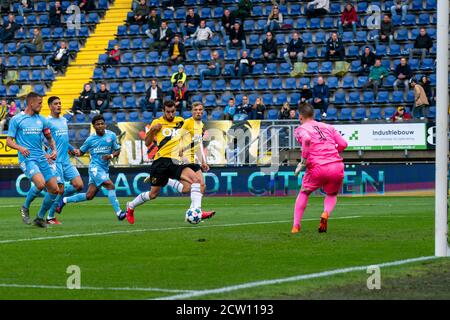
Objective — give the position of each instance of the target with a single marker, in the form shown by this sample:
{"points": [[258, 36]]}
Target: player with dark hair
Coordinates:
{"points": [[167, 163], [25, 135], [102, 147], [321, 144]]}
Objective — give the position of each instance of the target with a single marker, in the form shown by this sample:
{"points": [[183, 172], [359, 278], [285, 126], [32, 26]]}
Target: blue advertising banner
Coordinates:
{"points": [[253, 181]]}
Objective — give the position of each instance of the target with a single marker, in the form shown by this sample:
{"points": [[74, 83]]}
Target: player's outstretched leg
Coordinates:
{"points": [[139, 200], [329, 204], [300, 206], [25, 209], [51, 218]]}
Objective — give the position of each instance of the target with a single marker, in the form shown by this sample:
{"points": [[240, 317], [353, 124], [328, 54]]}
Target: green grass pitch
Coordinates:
{"points": [[248, 240]]}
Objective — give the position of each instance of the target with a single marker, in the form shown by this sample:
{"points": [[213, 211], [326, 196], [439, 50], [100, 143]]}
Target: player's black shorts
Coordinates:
{"points": [[164, 168]]}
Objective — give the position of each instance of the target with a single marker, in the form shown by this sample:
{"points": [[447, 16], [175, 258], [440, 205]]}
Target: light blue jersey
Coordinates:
{"points": [[99, 146]]}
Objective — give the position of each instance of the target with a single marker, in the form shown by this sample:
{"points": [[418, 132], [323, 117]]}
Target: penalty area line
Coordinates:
{"points": [[96, 234], [249, 285]]}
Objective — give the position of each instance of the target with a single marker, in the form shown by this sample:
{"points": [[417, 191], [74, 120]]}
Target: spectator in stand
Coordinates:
{"points": [[349, 19], [162, 38], [403, 73], [317, 8], [178, 76], [367, 61], [13, 110], [293, 114], [226, 24], [113, 57], [102, 98], [275, 20], [3, 114], [25, 6], [86, 6], [259, 109], [171, 4], [243, 111], [305, 95], [426, 85], [295, 49], [400, 7], [201, 36], [244, 10], [215, 66], [60, 58], [422, 44], [376, 75], [283, 114], [153, 23], [2, 70], [230, 109], [334, 48], [177, 51], [401, 114], [153, 98], [237, 37], [34, 45], [420, 100], [9, 29], [244, 65], [269, 49], [321, 96], [140, 13], [85, 102], [386, 32], [55, 14], [180, 96], [191, 24]]}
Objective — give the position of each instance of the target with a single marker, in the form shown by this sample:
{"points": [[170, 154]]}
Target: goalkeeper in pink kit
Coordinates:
{"points": [[321, 144]]}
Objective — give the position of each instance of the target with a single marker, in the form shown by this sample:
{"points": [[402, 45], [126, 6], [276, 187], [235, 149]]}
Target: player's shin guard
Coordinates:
{"points": [[114, 202], [140, 199], [177, 185], [32, 194], [51, 212], [196, 196], [46, 204], [300, 206], [80, 197], [329, 203]]}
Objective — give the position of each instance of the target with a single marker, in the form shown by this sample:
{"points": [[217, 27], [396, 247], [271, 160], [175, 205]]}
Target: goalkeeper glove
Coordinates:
{"points": [[300, 166]]}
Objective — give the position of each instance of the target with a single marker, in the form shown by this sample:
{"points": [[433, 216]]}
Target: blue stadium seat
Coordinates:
{"points": [[166, 86], [280, 38], [277, 84], [137, 72], [267, 99], [430, 4], [24, 75], [294, 98], [313, 67], [431, 113], [352, 51], [368, 97], [103, 4], [218, 12], [260, 24], [263, 84], [326, 67], [383, 97], [249, 84], [389, 112], [117, 103], [339, 97], [355, 65], [127, 87], [39, 89], [74, 46], [114, 87], [2, 91], [397, 97], [302, 23], [31, 19], [249, 25], [206, 85], [314, 23], [121, 117], [220, 85], [311, 52], [38, 61], [70, 33], [130, 102], [304, 81], [108, 117], [413, 64], [83, 134], [353, 98], [272, 114], [127, 57], [348, 82], [346, 114], [280, 98], [401, 35], [328, 23], [235, 85], [375, 113], [307, 37], [347, 36], [80, 118], [291, 83], [197, 97], [217, 115], [424, 19], [25, 61], [331, 114], [410, 20], [285, 68], [427, 64], [147, 116], [360, 114], [333, 82], [361, 36], [36, 75], [13, 61], [381, 50], [271, 68], [394, 50], [317, 115], [134, 117]]}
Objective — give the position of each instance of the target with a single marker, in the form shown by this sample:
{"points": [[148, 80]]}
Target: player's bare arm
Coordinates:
{"points": [[51, 143], [150, 137], [111, 156], [10, 142]]}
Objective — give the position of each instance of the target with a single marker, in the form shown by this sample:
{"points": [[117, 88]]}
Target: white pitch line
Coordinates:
{"points": [[34, 286], [249, 285], [95, 234]]}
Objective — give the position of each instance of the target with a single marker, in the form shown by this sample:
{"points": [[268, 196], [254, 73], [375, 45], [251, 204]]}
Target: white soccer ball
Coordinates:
{"points": [[194, 215]]}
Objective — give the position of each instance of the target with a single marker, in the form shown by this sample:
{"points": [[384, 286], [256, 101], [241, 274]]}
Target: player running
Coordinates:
{"points": [[102, 147], [321, 144], [65, 171], [167, 163], [25, 135]]}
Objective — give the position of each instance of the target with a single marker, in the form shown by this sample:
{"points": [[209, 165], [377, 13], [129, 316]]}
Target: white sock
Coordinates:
{"points": [[65, 200], [177, 185], [140, 199], [196, 196]]}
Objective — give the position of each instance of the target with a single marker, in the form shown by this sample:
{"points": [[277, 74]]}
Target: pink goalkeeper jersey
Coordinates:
{"points": [[321, 143]]}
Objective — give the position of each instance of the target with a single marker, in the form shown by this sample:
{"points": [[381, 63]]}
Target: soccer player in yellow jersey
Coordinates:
{"points": [[167, 162]]}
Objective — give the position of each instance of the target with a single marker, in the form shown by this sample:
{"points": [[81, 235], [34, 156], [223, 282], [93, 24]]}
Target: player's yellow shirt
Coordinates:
{"points": [[192, 140], [168, 138]]}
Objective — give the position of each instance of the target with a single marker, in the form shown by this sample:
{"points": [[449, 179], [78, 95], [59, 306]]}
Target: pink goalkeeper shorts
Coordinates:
{"points": [[329, 177]]}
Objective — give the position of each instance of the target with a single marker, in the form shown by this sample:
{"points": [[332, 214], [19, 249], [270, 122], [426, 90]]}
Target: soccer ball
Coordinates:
{"points": [[194, 215]]}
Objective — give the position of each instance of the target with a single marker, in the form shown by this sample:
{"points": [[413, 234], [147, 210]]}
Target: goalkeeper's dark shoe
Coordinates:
{"points": [[208, 214], [60, 205], [323, 222], [38, 222]]}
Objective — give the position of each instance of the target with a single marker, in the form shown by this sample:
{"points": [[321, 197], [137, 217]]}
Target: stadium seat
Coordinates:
{"points": [[24, 75], [348, 82], [401, 35], [313, 67], [220, 85], [272, 114], [130, 102], [217, 115], [375, 113], [134, 117], [36, 75], [139, 87], [317, 115], [294, 98], [80, 118], [333, 82], [430, 4], [311, 52], [276, 84], [352, 51], [147, 116], [302, 23], [326, 67], [114, 88], [331, 114], [360, 114], [339, 97], [117, 103], [427, 64], [353, 98], [285, 68], [108, 117], [249, 84], [263, 84], [271, 68], [346, 114], [280, 98], [368, 97], [235, 85], [389, 112], [267, 99], [121, 117], [431, 113], [383, 97], [291, 84], [210, 100]]}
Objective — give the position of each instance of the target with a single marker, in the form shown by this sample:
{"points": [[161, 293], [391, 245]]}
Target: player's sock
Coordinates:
{"points": [[300, 206], [46, 204], [80, 197], [175, 184], [196, 196], [69, 191], [51, 212], [329, 203], [32, 194], [114, 202], [140, 199]]}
